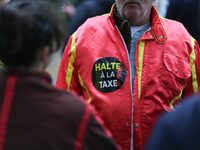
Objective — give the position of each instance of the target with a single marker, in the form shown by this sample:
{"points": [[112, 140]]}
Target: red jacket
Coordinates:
{"points": [[96, 65]]}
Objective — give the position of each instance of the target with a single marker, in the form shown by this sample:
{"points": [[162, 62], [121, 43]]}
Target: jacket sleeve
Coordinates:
{"points": [[97, 137], [67, 78], [193, 85]]}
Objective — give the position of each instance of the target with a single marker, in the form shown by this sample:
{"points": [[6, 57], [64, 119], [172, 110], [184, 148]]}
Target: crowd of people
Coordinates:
{"points": [[128, 78]]}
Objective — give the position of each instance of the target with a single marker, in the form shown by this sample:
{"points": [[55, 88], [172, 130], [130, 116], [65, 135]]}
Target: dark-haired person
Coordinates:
{"points": [[34, 115], [132, 65]]}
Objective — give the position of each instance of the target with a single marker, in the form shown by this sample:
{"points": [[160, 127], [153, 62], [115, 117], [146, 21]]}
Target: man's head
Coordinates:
{"points": [[136, 12], [27, 28]]}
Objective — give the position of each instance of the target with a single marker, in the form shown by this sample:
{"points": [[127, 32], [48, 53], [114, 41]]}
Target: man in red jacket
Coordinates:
{"points": [[34, 115], [132, 65]]}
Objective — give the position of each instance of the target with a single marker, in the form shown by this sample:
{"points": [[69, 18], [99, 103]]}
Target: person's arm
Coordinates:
{"points": [[193, 85], [67, 78]]}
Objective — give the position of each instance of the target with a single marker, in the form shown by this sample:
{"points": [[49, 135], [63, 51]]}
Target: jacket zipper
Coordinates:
{"points": [[131, 88]]}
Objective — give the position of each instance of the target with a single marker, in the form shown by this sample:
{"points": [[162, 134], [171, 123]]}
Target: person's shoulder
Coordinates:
{"points": [[184, 114], [169, 22], [190, 106], [67, 102], [69, 97], [97, 20]]}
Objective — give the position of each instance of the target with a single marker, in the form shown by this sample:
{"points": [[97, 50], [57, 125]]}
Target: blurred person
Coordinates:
{"points": [[85, 10], [187, 12], [132, 65], [34, 115], [178, 130]]}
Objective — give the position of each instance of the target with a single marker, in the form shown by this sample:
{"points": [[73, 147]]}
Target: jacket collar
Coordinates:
{"points": [[157, 29]]}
